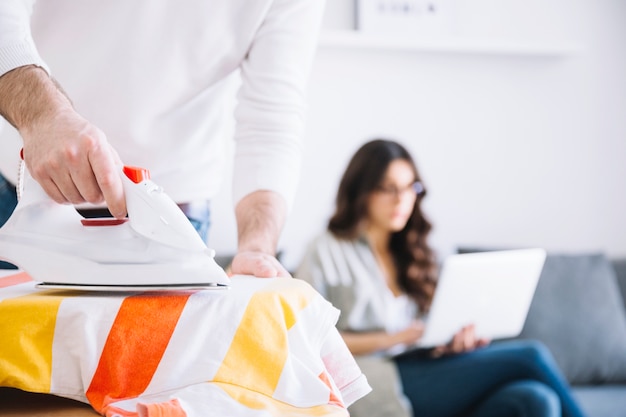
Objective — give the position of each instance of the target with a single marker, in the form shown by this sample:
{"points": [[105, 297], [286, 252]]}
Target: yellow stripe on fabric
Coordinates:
{"points": [[27, 327], [276, 408], [259, 347]]}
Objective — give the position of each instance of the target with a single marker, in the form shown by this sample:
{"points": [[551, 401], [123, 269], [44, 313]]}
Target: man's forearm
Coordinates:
{"points": [[260, 220], [28, 94]]}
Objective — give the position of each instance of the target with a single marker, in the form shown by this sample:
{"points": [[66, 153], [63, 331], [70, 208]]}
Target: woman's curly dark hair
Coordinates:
{"points": [[413, 257]]}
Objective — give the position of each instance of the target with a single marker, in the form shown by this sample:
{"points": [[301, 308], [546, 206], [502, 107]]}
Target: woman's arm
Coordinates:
{"points": [[371, 342]]}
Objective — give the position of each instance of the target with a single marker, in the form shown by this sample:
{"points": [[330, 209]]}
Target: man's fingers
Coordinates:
{"points": [[50, 187], [74, 162], [86, 185], [57, 183], [270, 267], [265, 270], [73, 185], [282, 272], [109, 182], [259, 264]]}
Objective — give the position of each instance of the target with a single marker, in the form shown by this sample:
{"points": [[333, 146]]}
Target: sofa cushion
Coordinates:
{"points": [[620, 271], [602, 400], [578, 312]]}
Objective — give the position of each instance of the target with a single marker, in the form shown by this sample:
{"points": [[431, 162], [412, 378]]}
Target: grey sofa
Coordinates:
{"points": [[579, 312]]}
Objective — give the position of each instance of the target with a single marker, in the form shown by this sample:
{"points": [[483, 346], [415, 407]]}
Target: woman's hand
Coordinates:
{"points": [[464, 341], [410, 335]]}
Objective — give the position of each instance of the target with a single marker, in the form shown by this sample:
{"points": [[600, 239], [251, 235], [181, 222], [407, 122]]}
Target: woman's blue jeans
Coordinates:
{"points": [[513, 378], [200, 218]]}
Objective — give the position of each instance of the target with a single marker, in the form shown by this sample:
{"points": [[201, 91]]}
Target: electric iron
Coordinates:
{"points": [[155, 248]]}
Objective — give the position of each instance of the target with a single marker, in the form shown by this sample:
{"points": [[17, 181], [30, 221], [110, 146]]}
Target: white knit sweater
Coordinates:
{"points": [[160, 78]]}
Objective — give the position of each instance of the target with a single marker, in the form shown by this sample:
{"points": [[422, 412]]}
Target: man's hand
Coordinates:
{"points": [[73, 161], [258, 264], [260, 218], [67, 155]]}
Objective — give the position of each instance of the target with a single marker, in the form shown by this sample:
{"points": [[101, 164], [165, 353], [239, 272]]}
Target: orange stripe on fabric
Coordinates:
{"points": [[333, 399], [27, 329], [134, 347], [111, 411], [15, 279], [170, 408]]}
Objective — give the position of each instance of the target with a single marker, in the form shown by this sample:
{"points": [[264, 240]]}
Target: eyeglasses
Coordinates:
{"points": [[417, 188]]}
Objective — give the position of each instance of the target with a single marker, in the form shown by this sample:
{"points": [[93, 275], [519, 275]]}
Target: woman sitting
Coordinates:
{"points": [[375, 265]]}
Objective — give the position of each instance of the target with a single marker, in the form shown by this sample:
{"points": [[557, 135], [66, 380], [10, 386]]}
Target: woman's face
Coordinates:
{"points": [[390, 205]]}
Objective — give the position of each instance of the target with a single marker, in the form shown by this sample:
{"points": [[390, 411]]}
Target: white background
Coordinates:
{"points": [[515, 149]]}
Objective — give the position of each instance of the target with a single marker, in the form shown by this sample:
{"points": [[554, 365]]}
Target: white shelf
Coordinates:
{"points": [[353, 39]]}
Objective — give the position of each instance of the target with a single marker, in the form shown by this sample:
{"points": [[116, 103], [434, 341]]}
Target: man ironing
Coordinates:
{"points": [[152, 83]]}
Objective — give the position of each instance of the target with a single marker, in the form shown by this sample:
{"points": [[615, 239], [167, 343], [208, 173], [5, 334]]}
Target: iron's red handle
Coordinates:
{"points": [[136, 174]]}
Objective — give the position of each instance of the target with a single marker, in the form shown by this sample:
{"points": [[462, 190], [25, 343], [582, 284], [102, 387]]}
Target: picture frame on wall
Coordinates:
{"points": [[403, 17]]}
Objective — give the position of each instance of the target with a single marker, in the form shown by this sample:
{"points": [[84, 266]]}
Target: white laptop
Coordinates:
{"points": [[492, 290]]}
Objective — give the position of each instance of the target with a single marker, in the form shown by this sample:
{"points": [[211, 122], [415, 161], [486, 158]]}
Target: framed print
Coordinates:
{"points": [[403, 16]]}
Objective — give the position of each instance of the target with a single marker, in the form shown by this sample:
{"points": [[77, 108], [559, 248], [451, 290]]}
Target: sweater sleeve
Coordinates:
{"points": [[271, 100], [310, 269], [17, 48]]}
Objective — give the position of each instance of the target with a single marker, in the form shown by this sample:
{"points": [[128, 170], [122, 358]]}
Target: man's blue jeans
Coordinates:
{"points": [[515, 378], [8, 200], [199, 216]]}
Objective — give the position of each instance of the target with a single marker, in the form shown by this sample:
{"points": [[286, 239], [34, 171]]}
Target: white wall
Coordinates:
{"points": [[515, 149]]}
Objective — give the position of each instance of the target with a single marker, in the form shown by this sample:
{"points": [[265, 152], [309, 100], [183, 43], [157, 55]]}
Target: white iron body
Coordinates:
{"points": [[157, 247]]}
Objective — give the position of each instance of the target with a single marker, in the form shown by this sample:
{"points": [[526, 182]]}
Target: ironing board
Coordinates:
{"points": [[265, 347]]}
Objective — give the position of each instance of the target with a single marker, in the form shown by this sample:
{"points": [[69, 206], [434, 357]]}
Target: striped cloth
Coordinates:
{"points": [[265, 347]]}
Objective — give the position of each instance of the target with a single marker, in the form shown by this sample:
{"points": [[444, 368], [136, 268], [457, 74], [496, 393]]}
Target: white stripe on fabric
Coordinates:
{"points": [[83, 325]]}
